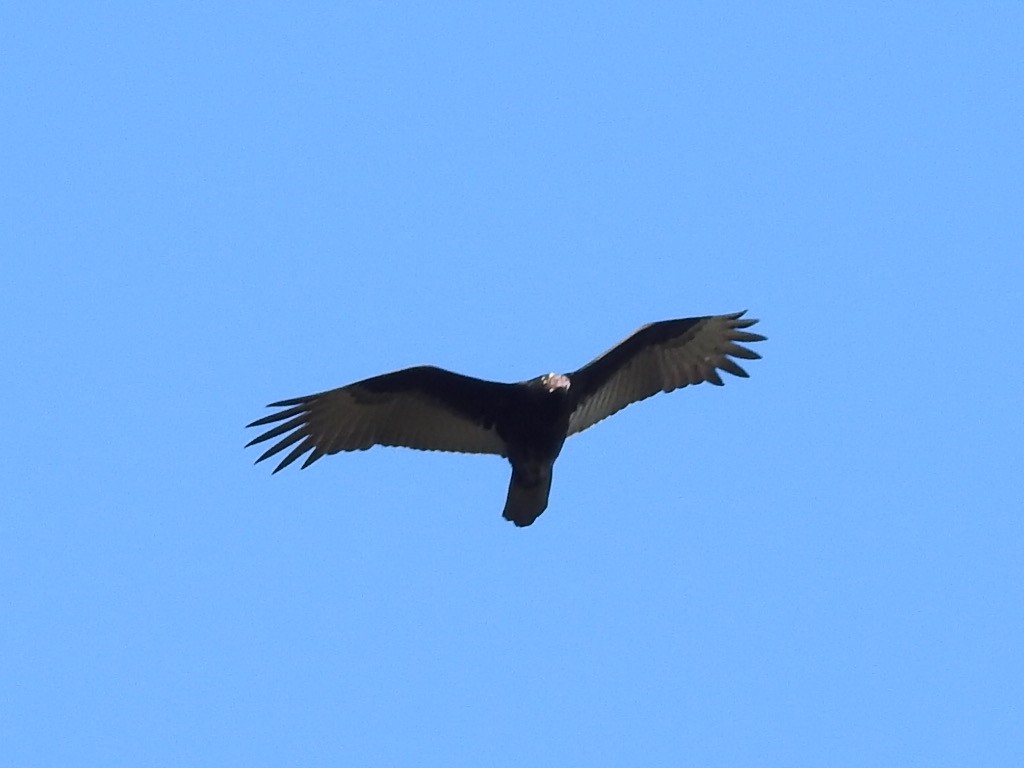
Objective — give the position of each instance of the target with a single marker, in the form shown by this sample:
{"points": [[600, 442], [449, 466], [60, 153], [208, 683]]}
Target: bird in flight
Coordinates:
{"points": [[527, 422]]}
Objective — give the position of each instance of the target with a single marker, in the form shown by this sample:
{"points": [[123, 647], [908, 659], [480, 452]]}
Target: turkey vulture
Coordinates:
{"points": [[433, 409]]}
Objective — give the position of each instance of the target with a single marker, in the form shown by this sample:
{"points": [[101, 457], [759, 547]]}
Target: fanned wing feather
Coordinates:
{"points": [[659, 357], [425, 408]]}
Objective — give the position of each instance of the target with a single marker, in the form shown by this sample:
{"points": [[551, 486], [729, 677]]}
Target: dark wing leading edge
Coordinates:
{"points": [[659, 357], [426, 408]]}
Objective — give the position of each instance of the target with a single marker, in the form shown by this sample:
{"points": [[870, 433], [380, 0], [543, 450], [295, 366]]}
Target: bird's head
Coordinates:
{"points": [[555, 382]]}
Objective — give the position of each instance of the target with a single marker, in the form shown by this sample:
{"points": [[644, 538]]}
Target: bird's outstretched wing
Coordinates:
{"points": [[425, 407], [659, 357]]}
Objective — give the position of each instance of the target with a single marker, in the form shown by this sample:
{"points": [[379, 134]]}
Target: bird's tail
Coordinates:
{"points": [[527, 496]]}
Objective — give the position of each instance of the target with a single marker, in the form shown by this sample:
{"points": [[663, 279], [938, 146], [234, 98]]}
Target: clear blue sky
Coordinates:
{"points": [[210, 206]]}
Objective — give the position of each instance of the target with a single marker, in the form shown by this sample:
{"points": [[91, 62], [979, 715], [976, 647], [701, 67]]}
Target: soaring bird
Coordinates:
{"points": [[527, 422]]}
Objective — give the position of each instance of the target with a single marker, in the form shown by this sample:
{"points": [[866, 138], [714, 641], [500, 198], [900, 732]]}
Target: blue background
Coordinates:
{"points": [[210, 206]]}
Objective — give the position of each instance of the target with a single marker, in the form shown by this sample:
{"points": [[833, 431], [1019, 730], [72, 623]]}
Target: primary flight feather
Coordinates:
{"points": [[436, 410]]}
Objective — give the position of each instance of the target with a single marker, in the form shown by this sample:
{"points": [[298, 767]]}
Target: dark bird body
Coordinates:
{"points": [[433, 409]]}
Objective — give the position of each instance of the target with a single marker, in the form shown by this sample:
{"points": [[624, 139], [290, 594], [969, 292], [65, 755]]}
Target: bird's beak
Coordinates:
{"points": [[558, 381]]}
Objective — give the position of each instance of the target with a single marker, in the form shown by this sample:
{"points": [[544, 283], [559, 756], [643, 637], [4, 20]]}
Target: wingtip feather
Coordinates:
{"points": [[293, 401], [317, 453]]}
